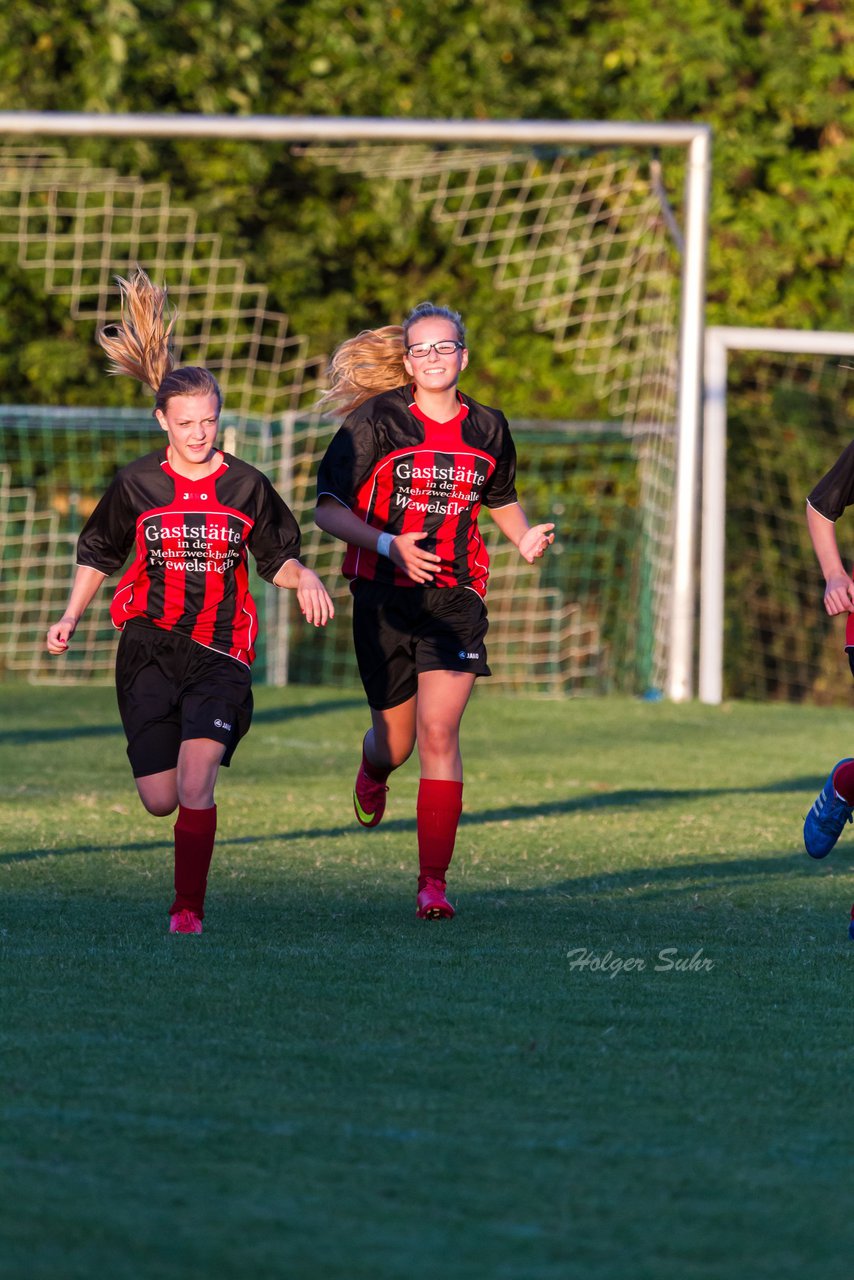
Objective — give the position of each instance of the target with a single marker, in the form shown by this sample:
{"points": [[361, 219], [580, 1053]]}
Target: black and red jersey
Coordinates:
{"points": [[400, 471], [835, 490], [190, 539]]}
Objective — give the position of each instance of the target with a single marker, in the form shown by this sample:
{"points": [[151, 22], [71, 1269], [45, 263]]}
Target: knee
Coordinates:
{"points": [[196, 797], [158, 800], [390, 751], [392, 756], [158, 808], [438, 739], [196, 788]]}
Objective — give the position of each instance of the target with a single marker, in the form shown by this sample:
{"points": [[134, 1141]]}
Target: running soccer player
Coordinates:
{"points": [[188, 515], [834, 805], [402, 483]]}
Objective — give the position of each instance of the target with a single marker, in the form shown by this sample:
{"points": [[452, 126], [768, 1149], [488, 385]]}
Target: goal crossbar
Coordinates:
{"points": [[262, 128]]}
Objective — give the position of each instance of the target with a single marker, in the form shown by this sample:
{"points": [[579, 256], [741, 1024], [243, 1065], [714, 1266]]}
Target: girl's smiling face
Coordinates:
{"points": [[434, 372]]}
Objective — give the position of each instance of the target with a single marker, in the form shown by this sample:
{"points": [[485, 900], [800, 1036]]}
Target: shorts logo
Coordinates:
{"points": [[221, 724], [471, 657]]}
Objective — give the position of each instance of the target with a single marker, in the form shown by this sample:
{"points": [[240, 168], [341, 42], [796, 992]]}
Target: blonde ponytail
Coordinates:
{"points": [[140, 345], [364, 366]]}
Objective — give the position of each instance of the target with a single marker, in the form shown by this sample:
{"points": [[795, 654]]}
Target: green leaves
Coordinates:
{"points": [[772, 77]]}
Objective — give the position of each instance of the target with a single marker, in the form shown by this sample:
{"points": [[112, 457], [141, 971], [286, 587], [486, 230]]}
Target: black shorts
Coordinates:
{"points": [[170, 689], [401, 631]]}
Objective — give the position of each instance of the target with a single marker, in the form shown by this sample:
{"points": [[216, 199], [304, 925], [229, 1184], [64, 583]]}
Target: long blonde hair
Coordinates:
{"points": [[140, 344], [372, 361]]}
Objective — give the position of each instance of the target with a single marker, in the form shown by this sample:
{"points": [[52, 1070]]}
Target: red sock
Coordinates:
{"points": [[438, 811], [374, 772], [843, 782], [195, 830]]}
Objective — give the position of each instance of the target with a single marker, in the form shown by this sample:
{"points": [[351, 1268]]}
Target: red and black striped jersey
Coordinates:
{"points": [[190, 539], [400, 471], [835, 490]]}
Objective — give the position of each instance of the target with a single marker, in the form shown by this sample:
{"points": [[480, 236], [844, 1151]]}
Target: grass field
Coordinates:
{"points": [[323, 1086]]}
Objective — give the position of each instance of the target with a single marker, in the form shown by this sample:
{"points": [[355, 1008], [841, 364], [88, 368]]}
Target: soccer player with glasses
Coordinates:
{"points": [[402, 484]]}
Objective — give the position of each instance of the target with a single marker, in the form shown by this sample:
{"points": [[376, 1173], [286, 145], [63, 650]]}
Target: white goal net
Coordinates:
{"points": [[583, 243]]}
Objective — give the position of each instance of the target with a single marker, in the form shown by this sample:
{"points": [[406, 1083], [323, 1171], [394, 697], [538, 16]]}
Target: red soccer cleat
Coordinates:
{"points": [[432, 903], [185, 921], [368, 799]]}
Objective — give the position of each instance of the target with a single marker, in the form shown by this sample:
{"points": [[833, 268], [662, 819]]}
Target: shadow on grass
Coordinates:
{"points": [[300, 916], [276, 715], [264, 715], [510, 813], [646, 883]]}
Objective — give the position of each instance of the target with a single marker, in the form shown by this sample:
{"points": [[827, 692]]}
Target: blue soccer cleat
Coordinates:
{"points": [[851, 926], [825, 821]]}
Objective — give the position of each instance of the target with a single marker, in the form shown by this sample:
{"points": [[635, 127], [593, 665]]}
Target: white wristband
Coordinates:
{"points": [[384, 542]]}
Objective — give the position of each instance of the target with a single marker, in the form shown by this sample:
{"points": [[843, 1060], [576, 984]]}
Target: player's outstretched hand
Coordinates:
{"points": [[314, 599], [535, 540], [59, 634], [418, 564], [839, 594]]}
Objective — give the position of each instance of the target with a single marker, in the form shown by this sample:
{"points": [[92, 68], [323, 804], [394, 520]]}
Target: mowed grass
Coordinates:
{"points": [[323, 1086]]}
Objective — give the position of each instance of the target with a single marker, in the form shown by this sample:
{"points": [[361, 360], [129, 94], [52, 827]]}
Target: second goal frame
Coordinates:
{"points": [[719, 341]]}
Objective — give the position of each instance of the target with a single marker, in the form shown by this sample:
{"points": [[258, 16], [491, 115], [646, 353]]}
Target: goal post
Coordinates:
{"points": [[677, 514], [720, 341]]}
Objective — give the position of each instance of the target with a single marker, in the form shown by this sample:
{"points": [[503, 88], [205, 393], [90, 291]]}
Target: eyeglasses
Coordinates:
{"points": [[445, 348]]}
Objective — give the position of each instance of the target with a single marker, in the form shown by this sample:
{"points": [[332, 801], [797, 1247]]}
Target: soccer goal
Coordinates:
{"points": [[778, 412], [591, 236]]}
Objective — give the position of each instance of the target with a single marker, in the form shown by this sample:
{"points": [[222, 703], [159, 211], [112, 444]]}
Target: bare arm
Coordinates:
{"points": [[83, 591], [530, 540], [332, 517], [839, 588], [312, 596]]}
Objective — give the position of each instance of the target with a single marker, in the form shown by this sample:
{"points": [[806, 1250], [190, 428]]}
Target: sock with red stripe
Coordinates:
{"points": [[438, 812], [843, 782], [195, 831]]}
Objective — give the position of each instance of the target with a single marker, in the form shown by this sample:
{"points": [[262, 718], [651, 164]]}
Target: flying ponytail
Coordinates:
{"points": [[140, 344]]}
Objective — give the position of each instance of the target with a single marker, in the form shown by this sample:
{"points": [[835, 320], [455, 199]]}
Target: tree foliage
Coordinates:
{"points": [[773, 78]]}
